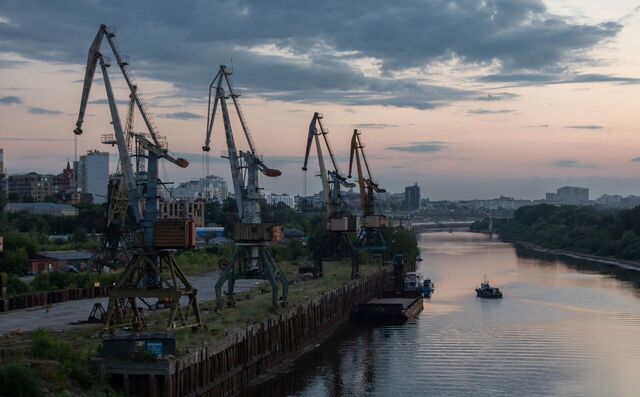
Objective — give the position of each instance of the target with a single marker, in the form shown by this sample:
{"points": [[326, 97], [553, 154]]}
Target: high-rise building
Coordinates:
{"points": [[30, 187], [412, 197], [92, 175], [570, 195]]}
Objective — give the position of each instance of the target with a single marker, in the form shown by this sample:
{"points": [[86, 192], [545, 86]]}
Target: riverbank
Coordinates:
{"points": [[629, 265], [316, 305]]}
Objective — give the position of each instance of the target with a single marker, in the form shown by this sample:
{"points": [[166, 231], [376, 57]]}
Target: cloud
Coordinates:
{"points": [[12, 64], [538, 126], [489, 111], [10, 100], [375, 125], [637, 160], [572, 164], [585, 127], [42, 111], [500, 96], [21, 139], [181, 116], [421, 147], [525, 79], [104, 101], [284, 51]]}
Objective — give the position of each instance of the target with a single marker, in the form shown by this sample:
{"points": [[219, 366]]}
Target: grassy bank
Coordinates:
{"points": [[68, 355]]}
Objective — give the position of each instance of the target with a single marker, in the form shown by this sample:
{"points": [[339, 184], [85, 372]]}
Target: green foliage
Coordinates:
{"points": [[401, 241], [587, 230], [17, 380], [63, 280], [74, 365], [15, 286], [14, 261]]}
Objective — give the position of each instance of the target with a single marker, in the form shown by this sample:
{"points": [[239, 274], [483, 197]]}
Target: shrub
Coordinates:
{"points": [[18, 380]]}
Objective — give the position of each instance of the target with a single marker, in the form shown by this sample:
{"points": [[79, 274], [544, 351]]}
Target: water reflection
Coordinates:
{"points": [[564, 328]]}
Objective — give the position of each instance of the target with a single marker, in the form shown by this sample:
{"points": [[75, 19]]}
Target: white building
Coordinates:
{"points": [[92, 175], [273, 199], [211, 188]]}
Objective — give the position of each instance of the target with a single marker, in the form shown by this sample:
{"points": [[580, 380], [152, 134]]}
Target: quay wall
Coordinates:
{"points": [[251, 354]]}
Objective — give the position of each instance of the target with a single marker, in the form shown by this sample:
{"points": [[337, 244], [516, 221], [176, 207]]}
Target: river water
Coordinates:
{"points": [[563, 328]]}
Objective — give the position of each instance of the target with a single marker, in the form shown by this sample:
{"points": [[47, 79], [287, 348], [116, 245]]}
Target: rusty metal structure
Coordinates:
{"points": [[252, 258], [152, 271], [340, 223], [370, 237]]}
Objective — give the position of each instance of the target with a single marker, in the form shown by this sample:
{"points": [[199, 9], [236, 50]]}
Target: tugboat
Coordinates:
{"points": [[487, 291], [428, 288], [412, 281]]}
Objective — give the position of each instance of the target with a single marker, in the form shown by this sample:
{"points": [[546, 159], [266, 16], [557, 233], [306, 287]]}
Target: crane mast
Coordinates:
{"points": [[370, 237], [251, 258], [340, 223], [152, 270]]}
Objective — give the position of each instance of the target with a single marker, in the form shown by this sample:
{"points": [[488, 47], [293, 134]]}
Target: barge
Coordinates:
{"points": [[393, 309]]}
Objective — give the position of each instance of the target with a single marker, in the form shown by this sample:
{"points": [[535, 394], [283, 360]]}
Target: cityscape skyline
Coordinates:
{"points": [[461, 123]]}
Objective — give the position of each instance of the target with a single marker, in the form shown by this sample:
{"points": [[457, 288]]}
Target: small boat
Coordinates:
{"points": [[487, 291], [428, 288], [413, 282]]}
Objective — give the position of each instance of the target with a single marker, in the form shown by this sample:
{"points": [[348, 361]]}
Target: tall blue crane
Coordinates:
{"points": [[152, 271], [251, 258]]}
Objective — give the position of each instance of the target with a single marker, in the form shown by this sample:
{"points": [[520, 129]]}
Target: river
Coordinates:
{"points": [[563, 328]]}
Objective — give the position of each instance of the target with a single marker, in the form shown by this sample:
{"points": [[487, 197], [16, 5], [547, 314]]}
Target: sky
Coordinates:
{"points": [[470, 99]]}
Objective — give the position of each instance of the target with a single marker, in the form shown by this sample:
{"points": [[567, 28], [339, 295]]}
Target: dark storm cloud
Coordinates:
{"points": [[10, 100], [42, 111], [636, 160], [585, 127], [421, 147], [489, 111], [181, 116], [572, 164], [184, 43]]}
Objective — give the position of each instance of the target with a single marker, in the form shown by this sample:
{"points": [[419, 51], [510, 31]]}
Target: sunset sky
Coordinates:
{"points": [[471, 99]]}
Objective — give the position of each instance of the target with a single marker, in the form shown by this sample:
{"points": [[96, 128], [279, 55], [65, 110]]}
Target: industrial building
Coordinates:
{"points": [[59, 261], [30, 187]]}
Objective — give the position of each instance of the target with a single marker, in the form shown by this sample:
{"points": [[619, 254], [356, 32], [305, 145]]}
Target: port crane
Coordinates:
{"points": [[251, 258], [152, 271], [340, 223], [370, 237]]}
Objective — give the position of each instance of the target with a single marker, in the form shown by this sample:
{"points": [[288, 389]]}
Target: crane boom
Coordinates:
{"points": [[365, 181], [94, 57], [240, 186], [121, 141], [94, 53], [331, 179]]}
